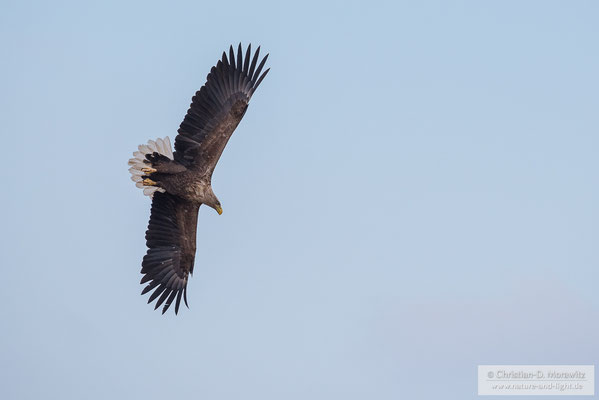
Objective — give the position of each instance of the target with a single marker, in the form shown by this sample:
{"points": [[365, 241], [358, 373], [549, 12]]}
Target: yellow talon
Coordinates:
{"points": [[149, 182], [148, 170]]}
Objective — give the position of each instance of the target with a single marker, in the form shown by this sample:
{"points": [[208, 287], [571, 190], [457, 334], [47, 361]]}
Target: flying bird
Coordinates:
{"points": [[179, 182]]}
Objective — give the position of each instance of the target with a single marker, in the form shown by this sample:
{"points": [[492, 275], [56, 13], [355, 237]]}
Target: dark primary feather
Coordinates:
{"points": [[170, 238], [217, 108]]}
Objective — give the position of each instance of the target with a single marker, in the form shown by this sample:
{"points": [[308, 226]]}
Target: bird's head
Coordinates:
{"points": [[218, 208], [212, 201]]}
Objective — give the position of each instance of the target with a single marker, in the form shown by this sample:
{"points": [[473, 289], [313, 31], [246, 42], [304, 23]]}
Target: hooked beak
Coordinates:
{"points": [[219, 210]]}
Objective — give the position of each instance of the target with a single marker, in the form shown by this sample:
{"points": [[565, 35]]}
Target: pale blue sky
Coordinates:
{"points": [[412, 192]]}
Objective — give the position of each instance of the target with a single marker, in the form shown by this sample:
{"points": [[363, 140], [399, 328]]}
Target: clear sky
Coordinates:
{"points": [[412, 192]]}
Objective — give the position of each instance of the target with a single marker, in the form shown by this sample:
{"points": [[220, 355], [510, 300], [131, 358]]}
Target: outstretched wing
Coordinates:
{"points": [[171, 241], [217, 108]]}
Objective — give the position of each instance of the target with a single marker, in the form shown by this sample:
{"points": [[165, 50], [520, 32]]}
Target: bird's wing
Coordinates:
{"points": [[171, 241], [217, 108]]}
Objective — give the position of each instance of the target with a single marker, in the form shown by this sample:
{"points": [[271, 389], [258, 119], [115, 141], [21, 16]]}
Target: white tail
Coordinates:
{"points": [[162, 146]]}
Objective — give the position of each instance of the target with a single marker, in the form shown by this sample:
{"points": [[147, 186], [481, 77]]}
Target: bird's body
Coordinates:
{"points": [[180, 182]]}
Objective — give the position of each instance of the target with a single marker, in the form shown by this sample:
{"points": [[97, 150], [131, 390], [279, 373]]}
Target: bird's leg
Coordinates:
{"points": [[148, 182], [149, 168], [161, 164]]}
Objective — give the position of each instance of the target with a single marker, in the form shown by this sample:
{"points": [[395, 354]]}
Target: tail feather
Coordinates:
{"points": [[139, 161]]}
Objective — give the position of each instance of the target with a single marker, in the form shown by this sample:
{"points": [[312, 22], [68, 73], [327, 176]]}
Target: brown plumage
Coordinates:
{"points": [[180, 182]]}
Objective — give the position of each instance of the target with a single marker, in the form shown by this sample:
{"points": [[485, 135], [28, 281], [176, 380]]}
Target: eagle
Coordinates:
{"points": [[179, 182]]}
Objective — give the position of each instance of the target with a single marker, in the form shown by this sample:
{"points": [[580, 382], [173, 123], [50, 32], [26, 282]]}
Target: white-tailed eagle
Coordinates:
{"points": [[179, 182]]}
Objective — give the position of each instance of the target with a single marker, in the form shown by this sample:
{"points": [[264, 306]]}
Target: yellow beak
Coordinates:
{"points": [[219, 210]]}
